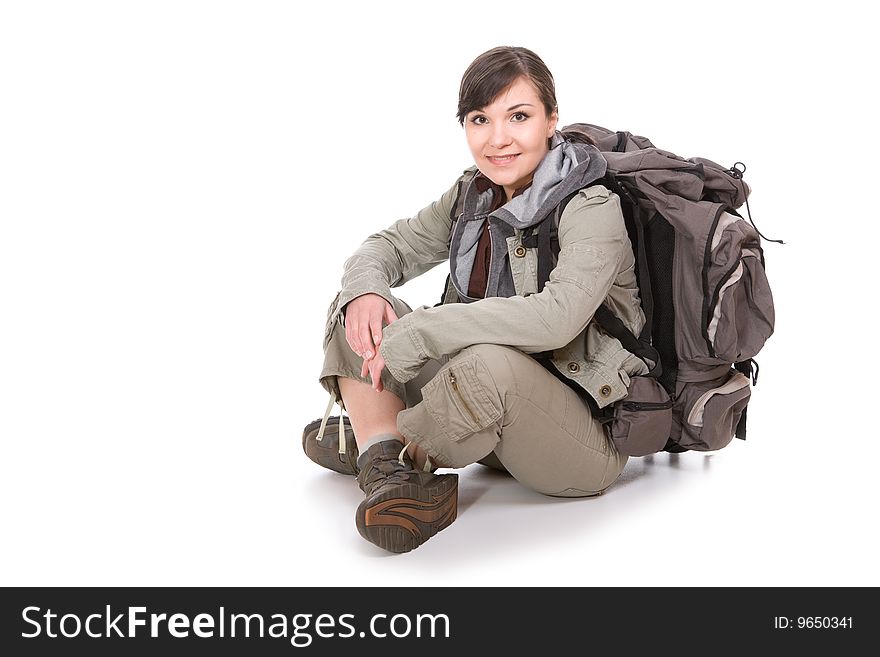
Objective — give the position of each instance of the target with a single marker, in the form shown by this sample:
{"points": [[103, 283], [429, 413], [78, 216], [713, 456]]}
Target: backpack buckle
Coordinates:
{"points": [[735, 172]]}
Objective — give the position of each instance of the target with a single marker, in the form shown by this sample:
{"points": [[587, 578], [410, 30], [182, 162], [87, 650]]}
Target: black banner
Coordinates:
{"points": [[171, 621]]}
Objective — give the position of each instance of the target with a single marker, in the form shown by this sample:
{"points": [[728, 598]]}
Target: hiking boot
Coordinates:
{"points": [[404, 507], [322, 446]]}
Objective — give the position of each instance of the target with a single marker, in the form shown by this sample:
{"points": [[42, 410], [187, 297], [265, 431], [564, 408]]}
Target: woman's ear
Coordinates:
{"points": [[554, 119]]}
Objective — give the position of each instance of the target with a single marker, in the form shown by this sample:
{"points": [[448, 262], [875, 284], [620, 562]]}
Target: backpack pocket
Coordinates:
{"points": [[707, 412], [642, 421], [738, 314]]}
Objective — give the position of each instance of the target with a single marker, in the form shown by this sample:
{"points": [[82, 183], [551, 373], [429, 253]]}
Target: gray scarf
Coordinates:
{"points": [[566, 167]]}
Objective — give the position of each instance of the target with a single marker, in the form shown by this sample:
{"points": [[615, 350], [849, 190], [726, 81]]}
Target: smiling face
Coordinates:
{"points": [[508, 138]]}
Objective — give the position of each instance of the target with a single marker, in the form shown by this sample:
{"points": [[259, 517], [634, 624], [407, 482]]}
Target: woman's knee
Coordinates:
{"points": [[586, 482], [341, 361], [502, 363]]}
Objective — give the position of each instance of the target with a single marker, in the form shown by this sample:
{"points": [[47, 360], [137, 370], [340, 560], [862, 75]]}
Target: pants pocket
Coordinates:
{"points": [[457, 398], [642, 421], [333, 316], [707, 412]]}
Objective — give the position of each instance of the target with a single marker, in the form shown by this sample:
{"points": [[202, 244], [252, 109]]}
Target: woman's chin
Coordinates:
{"points": [[503, 178]]}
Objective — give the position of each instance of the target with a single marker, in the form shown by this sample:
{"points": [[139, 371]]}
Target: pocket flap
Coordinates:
{"points": [[736, 382], [642, 422]]}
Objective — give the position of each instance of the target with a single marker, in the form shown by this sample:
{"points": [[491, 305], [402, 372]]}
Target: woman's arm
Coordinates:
{"points": [[592, 237], [408, 248]]}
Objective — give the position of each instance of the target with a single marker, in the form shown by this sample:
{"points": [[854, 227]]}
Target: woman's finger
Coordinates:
{"points": [[366, 340], [351, 336], [376, 373], [376, 328], [390, 315]]}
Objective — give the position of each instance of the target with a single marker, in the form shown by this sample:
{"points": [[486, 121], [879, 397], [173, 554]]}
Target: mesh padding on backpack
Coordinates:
{"points": [[660, 251]]}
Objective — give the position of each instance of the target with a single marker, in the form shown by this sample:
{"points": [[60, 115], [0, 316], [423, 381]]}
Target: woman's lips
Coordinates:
{"points": [[502, 161]]}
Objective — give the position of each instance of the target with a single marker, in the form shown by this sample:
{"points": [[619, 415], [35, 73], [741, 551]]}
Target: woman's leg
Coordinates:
{"points": [[404, 505], [369, 412], [372, 414], [496, 398]]}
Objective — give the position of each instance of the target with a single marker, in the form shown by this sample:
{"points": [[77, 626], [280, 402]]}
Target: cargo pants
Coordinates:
{"points": [[496, 405]]}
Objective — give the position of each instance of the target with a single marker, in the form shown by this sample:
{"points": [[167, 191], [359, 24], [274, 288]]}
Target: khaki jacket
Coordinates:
{"points": [[595, 264]]}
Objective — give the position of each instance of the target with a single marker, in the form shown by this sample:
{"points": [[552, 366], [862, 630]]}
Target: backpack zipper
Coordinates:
{"points": [[714, 302], [461, 397], [646, 406], [707, 262]]}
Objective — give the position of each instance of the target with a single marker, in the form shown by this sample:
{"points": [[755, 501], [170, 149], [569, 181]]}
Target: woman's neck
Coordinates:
{"points": [[510, 192]]}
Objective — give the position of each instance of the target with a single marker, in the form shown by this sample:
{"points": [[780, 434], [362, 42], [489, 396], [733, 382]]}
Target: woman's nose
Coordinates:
{"points": [[500, 137]]}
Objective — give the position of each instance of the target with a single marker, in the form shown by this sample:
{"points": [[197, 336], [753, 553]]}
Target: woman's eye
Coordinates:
{"points": [[479, 120], [520, 116]]}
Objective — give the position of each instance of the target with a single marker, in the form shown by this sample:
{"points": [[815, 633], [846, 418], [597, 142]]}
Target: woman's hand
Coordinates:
{"points": [[374, 367], [364, 316]]}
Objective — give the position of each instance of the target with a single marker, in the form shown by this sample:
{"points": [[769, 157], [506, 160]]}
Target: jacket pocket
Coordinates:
{"points": [[707, 412], [457, 398], [642, 422], [738, 313]]}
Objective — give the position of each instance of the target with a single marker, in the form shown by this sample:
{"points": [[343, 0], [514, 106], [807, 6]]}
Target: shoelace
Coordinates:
{"points": [[388, 469], [320, 435], [330, 405], [427, 466]]}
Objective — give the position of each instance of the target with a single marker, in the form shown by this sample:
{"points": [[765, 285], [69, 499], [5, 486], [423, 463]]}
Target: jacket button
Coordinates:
{"points": [[519, 251], [574, 368], [605, 390]]}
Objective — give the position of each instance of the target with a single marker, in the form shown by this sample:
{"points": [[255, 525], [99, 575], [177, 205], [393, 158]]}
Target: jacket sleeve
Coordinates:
{"points": [[592, 237], [407, 249]]}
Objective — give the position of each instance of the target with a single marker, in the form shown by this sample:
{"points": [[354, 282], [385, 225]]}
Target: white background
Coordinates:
{"points": [[180, 183]]}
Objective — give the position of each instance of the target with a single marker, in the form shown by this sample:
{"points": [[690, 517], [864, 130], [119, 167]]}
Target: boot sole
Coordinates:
{"points": [[405, 517], [329, 456]]}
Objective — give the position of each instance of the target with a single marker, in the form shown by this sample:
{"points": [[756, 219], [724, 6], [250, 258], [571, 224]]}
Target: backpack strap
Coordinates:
{"points": [[638, 219], [454, 214], [746, 367], [548, 241], [612, 325], [547, 248]]}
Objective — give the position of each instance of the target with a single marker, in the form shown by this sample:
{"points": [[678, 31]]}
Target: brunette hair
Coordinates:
{"points": [[495, 70]]}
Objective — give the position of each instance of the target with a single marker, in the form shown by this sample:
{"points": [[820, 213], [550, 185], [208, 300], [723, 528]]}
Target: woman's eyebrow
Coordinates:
{"points": [[509, 109]]}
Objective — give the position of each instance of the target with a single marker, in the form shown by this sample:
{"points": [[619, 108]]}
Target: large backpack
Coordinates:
{"points": [[704, 291], [703, 288]]}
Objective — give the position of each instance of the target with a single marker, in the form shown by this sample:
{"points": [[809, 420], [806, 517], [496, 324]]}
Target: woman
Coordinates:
{"points": [[465, 381]]}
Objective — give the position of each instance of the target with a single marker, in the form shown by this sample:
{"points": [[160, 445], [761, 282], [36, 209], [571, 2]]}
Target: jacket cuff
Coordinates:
{"points": [[370, 283], [402, 351]]}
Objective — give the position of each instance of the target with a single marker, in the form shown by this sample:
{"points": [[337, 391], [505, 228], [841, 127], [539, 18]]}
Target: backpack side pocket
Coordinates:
{"points": [[642, 421], [707, 412], [738, 314]]}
